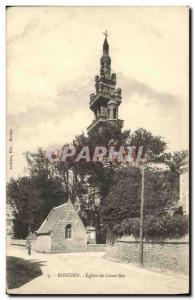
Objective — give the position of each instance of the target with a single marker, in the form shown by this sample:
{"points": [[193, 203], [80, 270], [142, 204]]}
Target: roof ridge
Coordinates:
{"points": [[45, 220], [58, 206], [55, 214]]}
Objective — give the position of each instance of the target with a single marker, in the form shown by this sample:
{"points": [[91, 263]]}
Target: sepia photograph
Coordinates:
{"points": [[97, 150]]}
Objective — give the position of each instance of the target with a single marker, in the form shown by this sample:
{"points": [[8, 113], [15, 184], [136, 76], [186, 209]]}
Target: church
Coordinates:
{"points": [[63, 230], [105, 102]]}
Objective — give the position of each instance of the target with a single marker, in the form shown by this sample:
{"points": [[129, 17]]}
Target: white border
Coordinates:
{"points": [[98, 3], [3, 4]]}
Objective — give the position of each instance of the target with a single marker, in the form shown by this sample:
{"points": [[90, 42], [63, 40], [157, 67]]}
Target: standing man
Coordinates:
{"points": [[28, 246]]}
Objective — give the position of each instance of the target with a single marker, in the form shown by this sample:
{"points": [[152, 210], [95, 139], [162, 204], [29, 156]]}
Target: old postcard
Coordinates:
{"points": [[97, 150]]}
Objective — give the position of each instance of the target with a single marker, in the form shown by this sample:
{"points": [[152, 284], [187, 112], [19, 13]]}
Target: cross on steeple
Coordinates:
{"points": [[105, 102], [105, 33]]}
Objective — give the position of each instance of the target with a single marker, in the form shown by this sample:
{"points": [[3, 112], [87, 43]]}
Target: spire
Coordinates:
{"points": [[106, 100], [105, 45], [105, 59]]}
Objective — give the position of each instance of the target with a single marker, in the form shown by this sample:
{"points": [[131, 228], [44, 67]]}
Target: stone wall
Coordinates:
{"points": [[172, 256], [96, 247], [43, 243], [78, 240], [18, 242]]}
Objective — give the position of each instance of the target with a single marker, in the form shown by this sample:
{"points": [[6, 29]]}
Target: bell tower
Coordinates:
{"points": [[106, 100]]}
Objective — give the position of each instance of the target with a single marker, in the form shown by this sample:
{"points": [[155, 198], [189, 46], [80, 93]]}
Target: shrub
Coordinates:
{"points": [[155, 227]]}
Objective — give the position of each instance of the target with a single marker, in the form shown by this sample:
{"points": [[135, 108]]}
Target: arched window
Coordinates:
{"points": [[114, 113], [68, 231]]}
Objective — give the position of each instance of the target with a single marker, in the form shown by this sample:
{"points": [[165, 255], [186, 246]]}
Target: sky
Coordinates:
{"points": [[53, 56]]}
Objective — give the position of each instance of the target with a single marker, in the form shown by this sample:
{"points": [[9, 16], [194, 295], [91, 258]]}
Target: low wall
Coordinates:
{"points": [[18, 242], [168, 255], [33, 245], [96, 247]]}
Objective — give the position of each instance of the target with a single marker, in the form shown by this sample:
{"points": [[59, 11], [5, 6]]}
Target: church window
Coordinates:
{"points": [[68, 231], [114, 113]]}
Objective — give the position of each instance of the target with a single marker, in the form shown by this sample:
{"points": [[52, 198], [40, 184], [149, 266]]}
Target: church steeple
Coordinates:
{"points": [[105, 60], [105, 47], [107, 99]]}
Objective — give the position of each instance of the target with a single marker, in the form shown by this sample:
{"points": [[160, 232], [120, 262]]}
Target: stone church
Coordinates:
{"points": [[63, 230], [105, 102]]}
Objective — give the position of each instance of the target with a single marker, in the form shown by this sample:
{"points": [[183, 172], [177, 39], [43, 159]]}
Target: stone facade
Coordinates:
{"points": [[43, 243], [62, 231], [169, 255], [91, 235], [105, 102]]}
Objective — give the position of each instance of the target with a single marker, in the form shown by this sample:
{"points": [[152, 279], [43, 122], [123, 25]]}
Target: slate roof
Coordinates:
{"points": [[53, 216], [51, 219], [31, 236]]}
